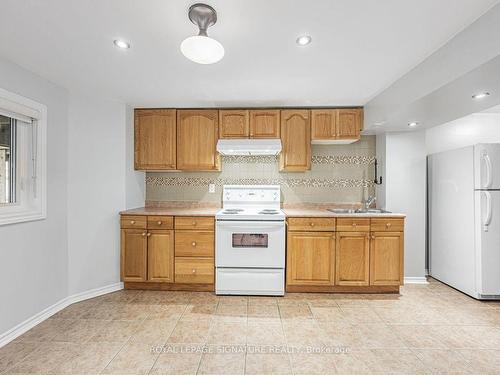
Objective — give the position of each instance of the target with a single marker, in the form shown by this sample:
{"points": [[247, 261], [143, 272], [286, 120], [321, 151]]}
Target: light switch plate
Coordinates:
{"points": [[211, 188]]}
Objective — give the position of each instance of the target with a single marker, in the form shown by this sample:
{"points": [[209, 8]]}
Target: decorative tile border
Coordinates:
{"points": [[162, 181], [316, 159]]}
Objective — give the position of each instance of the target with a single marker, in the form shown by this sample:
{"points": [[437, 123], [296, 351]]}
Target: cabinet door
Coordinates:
{"points": [[352, 258], [265, 124], [296, 140], [197, 134], [349, 123], [310, 258], [161, 255], [386, 258], [155, 139], [233, 123], [323, 124], [133, 254]]}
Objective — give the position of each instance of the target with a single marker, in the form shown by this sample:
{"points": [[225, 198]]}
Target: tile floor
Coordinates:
{"points": [[428, 329]]}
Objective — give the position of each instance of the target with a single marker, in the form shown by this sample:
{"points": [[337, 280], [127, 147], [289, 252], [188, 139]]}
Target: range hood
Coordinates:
{"points": [[249, 147]]}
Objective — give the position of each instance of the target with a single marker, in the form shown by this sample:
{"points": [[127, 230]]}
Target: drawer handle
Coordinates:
{"points": [[193, 243], [311, 224], [132, 222], [388, 225], [193, 271], [159, 223], [144, 234]]}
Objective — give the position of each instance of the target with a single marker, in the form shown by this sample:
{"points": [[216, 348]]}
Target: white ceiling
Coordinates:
{"points": [[359, 47]]}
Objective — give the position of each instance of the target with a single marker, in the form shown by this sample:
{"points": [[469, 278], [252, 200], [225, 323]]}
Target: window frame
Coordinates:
{"points": [[32, 201]]}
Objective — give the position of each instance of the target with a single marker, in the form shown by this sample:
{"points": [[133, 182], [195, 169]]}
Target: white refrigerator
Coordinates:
{"points": [[464, 219]]}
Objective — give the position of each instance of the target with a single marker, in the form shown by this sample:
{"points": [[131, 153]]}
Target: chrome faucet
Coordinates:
{"points": [[369, 201]]}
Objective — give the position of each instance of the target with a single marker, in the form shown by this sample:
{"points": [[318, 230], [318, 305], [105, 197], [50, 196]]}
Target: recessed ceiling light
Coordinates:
{"points": [[412, 124], [304, 40], [121, 44], [480, 95]]}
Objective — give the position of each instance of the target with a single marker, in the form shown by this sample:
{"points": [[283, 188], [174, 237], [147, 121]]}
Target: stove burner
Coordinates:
{"points": [[231, 211], [268, 212]]}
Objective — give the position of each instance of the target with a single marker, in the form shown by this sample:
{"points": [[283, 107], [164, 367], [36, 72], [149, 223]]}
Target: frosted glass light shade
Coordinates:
{"points": [[202, 49]]}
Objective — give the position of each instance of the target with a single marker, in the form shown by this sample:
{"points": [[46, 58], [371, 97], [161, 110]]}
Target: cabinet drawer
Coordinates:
{"points": [[387, 225], [194, 244], [194, 222], [194, 270], [311, 223], [133, 222], [352, 224], [160, 222]]}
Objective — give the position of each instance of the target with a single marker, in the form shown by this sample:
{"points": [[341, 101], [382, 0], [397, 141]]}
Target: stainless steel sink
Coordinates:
{"points": [[358, 211]]}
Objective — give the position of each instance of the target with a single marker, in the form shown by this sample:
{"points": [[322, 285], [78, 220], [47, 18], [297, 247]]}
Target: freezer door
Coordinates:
{"points": [[487, 166], [488, 242]]}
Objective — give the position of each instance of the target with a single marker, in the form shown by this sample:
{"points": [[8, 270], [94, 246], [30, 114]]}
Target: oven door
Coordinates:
{"points": [[250, 244]]}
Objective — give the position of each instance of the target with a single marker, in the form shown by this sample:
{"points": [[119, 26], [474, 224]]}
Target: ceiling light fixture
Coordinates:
{"points": [[303, 40], [412, 124], [480, 95], [201, 48], [121, 44]]}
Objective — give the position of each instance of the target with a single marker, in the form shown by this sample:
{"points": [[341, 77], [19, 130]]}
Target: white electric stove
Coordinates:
{"points": [[250, 241]]}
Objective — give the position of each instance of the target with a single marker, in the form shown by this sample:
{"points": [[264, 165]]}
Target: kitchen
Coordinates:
{"points": [[164, 213]]}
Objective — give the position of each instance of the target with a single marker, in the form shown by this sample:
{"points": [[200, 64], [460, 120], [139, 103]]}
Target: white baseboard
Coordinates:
{"points": [[29, 323], [416, 280]]}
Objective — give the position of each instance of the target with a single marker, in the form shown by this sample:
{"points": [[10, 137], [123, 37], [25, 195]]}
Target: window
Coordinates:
{"points": [[7, 160], [22, 159]]}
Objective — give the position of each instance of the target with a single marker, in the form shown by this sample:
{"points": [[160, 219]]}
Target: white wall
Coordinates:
{"points": [[135, 189], [33, 255], [404, 191], [467, 131], [96, 191]]}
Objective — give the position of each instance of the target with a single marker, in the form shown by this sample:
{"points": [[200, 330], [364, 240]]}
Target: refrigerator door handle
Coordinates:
{"points": [[487, 220], [489, 169]]}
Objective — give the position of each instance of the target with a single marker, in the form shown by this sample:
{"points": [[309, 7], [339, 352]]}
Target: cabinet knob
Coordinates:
{"points": [[149, 235], [373, 237], [193, 271], [193, 243], [194, 223], [132, 222], [159, 223], [388, 225], [144, 234], [311, 224], [354, 224]]}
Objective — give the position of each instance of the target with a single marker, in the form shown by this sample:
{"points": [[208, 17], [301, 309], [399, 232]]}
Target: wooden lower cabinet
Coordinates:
{"points": [[134, 250], [310, 258], [161, 255], [194, 270], [352, 259], [386, 258]]}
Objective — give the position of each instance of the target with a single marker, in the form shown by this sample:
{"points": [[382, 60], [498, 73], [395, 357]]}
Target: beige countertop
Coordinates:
{"points": [[172, 211], [323, 212], [210, 211]]}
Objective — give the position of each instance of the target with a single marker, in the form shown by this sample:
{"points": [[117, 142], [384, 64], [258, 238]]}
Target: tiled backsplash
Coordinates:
{"points": [[339, 173]]}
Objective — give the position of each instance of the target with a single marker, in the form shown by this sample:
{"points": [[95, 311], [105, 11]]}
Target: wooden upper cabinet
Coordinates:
{"points": [[134, 249], [310, 258], [161, 255], [234, 123], [155, 139], [296, 140], [323, 124], [349, 123], [386, 258], [197, 135], [352, 264], [264, 123]]}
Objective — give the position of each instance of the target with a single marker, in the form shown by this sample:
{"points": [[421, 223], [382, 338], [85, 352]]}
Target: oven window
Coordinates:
{"points": [[250, 240]]}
